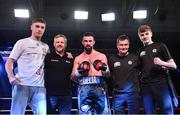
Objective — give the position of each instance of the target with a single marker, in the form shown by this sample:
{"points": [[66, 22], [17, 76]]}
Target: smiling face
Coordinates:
{"points": [[60, 44], [123, 46]]}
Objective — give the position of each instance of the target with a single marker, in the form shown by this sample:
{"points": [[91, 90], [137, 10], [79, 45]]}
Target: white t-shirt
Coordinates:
{"points": [[30, 55]]}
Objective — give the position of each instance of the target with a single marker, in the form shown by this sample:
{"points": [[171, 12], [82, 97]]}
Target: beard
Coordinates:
{"points": [[88, 49], [59, 49]]}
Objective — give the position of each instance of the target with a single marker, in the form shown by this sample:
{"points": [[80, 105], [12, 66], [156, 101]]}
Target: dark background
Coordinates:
{"points": [[162, 15]]}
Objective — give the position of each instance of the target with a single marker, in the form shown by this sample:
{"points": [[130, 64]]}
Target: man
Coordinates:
{"points": [[124, 71], [90, 68], [28, 83], [58, 68], [155, 61]]}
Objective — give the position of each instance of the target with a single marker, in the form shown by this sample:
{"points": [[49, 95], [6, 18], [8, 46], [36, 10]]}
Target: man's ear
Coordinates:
{"points": [[94, 42]]}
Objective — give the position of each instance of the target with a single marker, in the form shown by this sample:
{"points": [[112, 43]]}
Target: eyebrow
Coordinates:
{"points": [[145, 33]]}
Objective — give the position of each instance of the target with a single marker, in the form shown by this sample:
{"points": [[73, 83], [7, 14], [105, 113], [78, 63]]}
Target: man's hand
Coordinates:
{"points": [[14, 80], [99, 65], [84, 68], [170, 64], [158, 61], [69, 55]]}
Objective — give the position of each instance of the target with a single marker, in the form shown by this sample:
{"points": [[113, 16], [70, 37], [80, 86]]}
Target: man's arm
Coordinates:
{"points": [[9, 69], [75, 66], [170, 64], [107, 72]]}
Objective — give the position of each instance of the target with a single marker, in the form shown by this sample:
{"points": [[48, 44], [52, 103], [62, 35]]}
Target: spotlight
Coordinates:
{"points": [[81, 15], [108, 17], [139, 14], [21, 13]]}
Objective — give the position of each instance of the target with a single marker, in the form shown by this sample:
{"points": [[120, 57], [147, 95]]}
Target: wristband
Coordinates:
{"points": [[77, 74]]}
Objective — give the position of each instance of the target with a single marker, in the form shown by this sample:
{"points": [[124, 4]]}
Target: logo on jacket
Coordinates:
{"points": [[116, 64], [154, 50], [143, 53], [68, 61], [54, 60], [130, 62]]}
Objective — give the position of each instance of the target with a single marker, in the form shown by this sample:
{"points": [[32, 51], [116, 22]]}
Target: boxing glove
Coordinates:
{"points": [[84, 68], [99, 65]]}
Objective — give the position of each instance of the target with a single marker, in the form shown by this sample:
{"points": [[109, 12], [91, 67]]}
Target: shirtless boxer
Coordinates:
{"points": [[90, 68]]}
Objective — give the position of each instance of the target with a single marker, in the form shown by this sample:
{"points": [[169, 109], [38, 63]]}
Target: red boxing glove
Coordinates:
{"points": [[99, 65], [84, 68]]}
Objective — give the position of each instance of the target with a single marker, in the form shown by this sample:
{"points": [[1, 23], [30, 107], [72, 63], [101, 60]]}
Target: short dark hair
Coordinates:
{"points": [[41, 20], [122, 37], [88, 34], [144, 28]]}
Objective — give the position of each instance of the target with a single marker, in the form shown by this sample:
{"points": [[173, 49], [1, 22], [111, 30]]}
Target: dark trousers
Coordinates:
{"points": [[59, 104], [120, 101], [157, 94]]}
